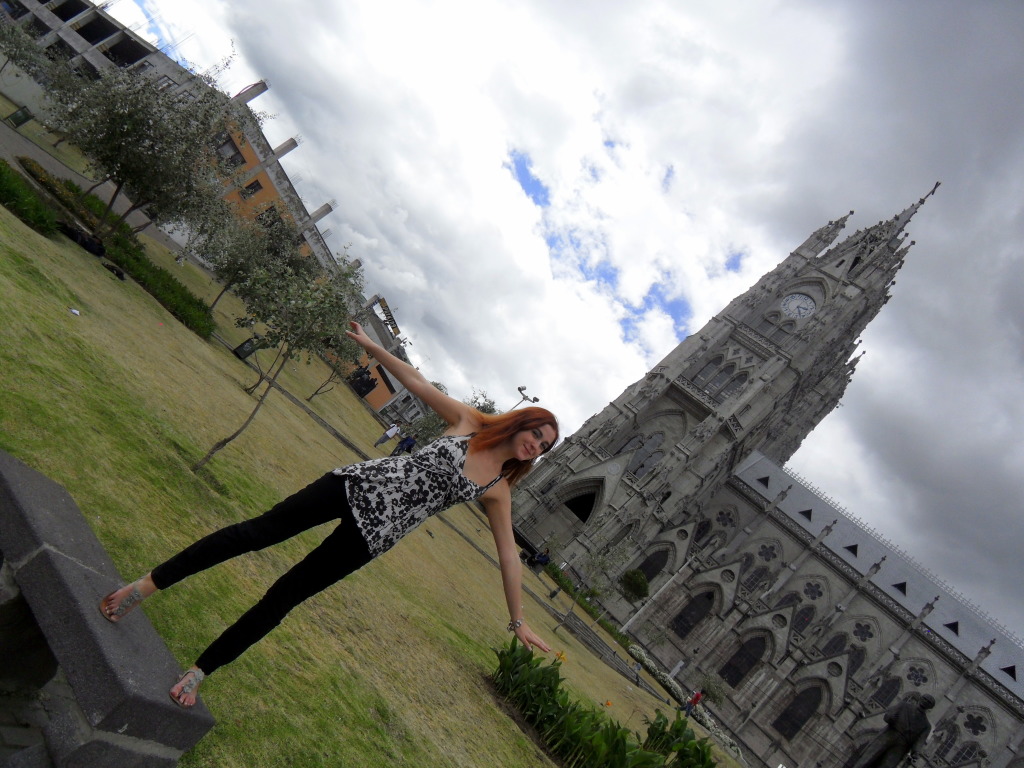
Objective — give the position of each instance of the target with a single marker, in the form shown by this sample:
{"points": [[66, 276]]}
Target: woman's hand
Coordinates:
{"points": [[358, 335], [529, 639]]}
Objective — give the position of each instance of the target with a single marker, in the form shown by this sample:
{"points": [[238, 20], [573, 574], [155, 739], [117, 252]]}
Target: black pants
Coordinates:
{"points": [[340, 554]]}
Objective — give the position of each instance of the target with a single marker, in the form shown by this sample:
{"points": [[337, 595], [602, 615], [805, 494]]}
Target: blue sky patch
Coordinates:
{"points": [[734, 262], [522, 169], [666, 180]]}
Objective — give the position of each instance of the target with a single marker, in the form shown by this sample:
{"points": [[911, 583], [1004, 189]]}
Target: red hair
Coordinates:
{"points": [[499, 427]]}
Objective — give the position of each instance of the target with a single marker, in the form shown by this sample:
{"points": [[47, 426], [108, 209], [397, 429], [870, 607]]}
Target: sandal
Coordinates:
{"points": [[195, 676], [127, 605]]}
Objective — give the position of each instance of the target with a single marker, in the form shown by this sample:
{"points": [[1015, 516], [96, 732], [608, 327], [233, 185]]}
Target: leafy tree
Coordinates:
{"points": [[634, 585], [341, 355], [159, 146], [430, 425], [302, 308], [481, 401]]}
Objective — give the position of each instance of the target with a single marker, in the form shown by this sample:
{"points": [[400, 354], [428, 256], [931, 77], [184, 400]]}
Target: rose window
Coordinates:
{"points": [[975, 724], [862, 632]]}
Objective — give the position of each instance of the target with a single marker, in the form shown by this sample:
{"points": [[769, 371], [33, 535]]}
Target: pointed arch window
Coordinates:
{"points": [[887, 692], [707, 371], [803, 618], [855, 660], [798, 712], [647, 455], [790, 598], [945, 740], [695, 611], [768, 323], [703, 529], [835, 645], [756, 579], [743, 661], [733, 386], [966, 753], [745, 562], [782, 331], [654, 564], [721, 378]]}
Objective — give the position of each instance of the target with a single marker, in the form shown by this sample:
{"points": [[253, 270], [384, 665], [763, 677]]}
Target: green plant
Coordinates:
{"points": [[584, 736], [634, 585], [17, 196]]}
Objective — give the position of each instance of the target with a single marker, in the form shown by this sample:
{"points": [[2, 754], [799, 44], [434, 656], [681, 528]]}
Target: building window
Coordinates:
{"points": [[969, 752], [855, 659], [835, 645], [164, 82], [228, 153], [945, 740], [790, 598], [798, 712], [251, 189], [803, 619], [887, 692], [707, 371], [756, 579]]}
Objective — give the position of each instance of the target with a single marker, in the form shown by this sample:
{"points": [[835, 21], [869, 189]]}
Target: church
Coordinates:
{"points": [[809, 621]]}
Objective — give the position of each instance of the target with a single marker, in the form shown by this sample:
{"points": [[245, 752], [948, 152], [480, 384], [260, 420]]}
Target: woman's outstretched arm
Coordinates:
{"points": [[498, 503], [448, 408]]}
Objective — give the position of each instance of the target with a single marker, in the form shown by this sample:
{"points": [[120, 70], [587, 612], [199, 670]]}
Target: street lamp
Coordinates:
{"points": [[525, 398]]}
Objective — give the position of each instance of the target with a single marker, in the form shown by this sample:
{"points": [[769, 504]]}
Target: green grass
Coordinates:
{"points": [[389, 668]]}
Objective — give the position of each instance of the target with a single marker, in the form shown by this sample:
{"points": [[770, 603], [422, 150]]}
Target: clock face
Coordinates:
{"points": [[798, 305]]}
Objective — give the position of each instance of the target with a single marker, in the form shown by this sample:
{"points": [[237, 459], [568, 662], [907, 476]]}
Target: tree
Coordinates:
{"points": [[481, 401], [301, 308], [430, 425], [634, 585], [341, 355], [159, 146]]}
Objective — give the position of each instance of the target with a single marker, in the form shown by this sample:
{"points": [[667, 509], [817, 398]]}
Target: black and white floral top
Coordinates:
{"points": [[390, 497]]}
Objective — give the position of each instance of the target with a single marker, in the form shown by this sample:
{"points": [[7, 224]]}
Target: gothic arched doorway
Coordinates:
{"points": [[744, 660], [694, 612], [798, 712]]}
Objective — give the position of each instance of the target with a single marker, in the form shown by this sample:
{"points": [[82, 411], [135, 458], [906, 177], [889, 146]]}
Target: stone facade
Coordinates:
{"points": [[810, 622]]}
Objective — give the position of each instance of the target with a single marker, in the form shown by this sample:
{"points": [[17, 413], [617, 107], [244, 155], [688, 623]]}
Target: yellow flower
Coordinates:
{"points": [[560, 656]]}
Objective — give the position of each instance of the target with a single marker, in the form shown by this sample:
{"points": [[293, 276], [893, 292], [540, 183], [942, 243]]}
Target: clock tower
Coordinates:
{"points": [[759, 376]]}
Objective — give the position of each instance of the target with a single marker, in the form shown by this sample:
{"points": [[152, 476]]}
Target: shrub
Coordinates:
{"points": [[18, 196], [124, 249], [584, 736], [634, 585]]}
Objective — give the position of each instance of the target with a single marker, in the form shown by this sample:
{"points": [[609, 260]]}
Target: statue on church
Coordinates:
{"points": [[907, 728]]}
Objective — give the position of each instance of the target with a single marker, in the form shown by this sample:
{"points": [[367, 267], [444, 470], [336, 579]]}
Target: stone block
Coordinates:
{"points": [[35, 511], [117, 675], [32, 757]]}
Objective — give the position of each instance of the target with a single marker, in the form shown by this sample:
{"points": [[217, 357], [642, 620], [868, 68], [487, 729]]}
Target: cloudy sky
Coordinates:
{"points": [[554, 194]]}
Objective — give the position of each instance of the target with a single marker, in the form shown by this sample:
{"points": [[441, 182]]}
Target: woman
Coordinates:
{"points": [[377, 503]]}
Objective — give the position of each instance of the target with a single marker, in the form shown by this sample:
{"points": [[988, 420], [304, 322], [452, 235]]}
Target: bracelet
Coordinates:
{"points": [[514, 625]]}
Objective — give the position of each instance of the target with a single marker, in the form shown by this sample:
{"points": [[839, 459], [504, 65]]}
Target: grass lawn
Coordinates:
{"points": [[389, 668]]}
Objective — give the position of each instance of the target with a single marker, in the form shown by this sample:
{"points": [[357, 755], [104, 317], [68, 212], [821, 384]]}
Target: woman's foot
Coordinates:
{"points": [[123, 601], [184, 691]]}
